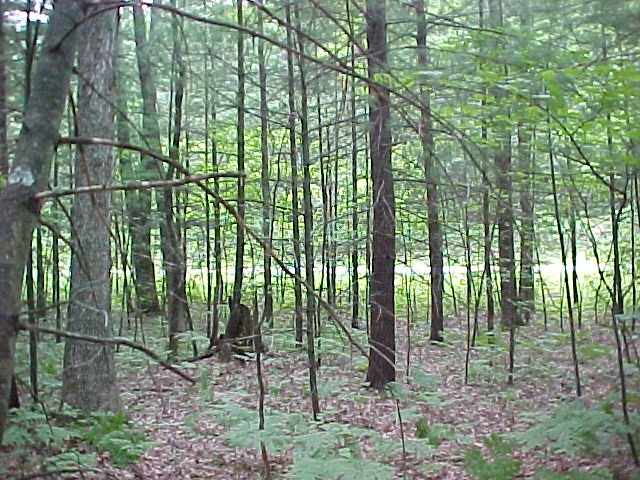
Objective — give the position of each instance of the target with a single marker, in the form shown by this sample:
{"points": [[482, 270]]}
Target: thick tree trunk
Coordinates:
{"points": [[382, 336], [29, 174], [173, 259], [89, 380]]}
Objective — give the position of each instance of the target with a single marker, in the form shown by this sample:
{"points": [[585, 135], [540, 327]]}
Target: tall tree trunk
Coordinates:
{"points": [[382, 337], [139, 205], [172, 250], [30, 173], [617, 297], [563, 253], [4, 144], [235, 316], [267, 311], [527, 232], [355, 279], [217, 234], [170, 243], [503, 183], [486, 220], [486, 253], [89, 379], [428, 162], [293, 152], [308, 225]]}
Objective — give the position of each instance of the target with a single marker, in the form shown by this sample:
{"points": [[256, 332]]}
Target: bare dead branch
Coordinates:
{"points": [[108, 341], [145, 185]]}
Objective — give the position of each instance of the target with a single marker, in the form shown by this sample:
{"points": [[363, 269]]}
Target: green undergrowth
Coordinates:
{"points": [[41, 436], [70, 439]]}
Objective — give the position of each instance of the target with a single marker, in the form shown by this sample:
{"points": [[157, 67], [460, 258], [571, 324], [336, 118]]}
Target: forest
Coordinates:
{"points": [[319, 239]]}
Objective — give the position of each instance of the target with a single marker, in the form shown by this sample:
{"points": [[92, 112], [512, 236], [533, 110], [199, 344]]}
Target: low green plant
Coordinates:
{"points": [[500, 466], [110, 432], [544, 474], [321, 450], [31, 428], [432, 434], [575, 429]]}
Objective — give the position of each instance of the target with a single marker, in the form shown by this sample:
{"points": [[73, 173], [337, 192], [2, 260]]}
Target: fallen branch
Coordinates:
{"points": [[108, 341]]}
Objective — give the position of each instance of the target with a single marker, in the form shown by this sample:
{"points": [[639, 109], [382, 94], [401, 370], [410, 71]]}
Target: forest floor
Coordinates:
{"points": [[210, 430]]}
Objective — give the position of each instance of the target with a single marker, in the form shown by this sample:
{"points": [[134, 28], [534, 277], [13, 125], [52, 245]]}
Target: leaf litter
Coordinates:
{"points": [[442, 418]]}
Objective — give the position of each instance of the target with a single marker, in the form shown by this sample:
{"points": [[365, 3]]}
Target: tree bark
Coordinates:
{"points": [[173, 259], [428, 162], [308, 225], [382, 335], [172, 252], [29, 174], [238, 275], [267, 312], [89, 380], [295, 212], [527, 232], [139, 207], [504, 187], [4, 143]]}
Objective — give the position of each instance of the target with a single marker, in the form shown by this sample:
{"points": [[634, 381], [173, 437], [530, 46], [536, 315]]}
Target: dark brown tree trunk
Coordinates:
{"points": [[355, 279], [428, 162], [30, 174], [382, 336], [171, 235], [217, 236], [139, 206], [487, 224], [238, 274], [617, 298], [504, 214], [486, 253]]}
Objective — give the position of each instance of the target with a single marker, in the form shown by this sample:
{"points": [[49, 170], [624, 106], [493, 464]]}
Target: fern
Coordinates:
{"points": [[501, 467], [574, 429], [110, 432], [308, 468], [545, 474]]}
